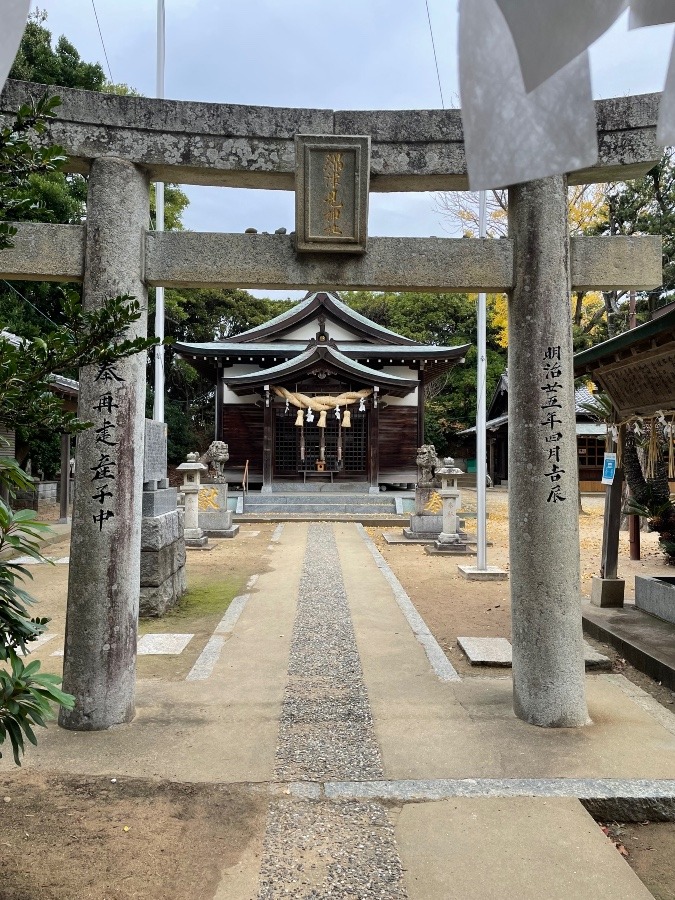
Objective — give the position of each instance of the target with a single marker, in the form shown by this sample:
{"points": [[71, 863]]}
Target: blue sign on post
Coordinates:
{"points": [[609, 468]]}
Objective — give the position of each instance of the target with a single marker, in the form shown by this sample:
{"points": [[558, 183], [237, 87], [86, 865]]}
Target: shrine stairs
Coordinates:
{"points": [[338, 502]]}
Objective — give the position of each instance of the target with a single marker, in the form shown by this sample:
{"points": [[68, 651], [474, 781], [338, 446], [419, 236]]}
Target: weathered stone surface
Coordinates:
{"points": [[104, 577], [607, 264], [158, 565], [155, 601], [162, 530], [332, 183], [631, 809], [157, 503], [548, 661], [163, 644], [42, 251], [486, 651], [191, 259], [656, 596], [426, 524], [252, 146], [154, 451]]}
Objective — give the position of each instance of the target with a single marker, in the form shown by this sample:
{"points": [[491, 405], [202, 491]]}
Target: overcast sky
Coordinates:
{"points": [[351, 54]]}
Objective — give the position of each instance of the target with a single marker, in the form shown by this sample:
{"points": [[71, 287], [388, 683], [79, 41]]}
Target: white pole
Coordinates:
{"points": [[158, 407], [481, 467]]}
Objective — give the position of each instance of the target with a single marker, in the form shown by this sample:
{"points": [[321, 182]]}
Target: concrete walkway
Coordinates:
{"points": [[387, 776]]}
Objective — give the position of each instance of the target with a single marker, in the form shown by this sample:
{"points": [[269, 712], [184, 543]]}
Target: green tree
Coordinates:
{"points": [[643, 206], [440, 319], [198, 316], [37, 60], [32, 309]]}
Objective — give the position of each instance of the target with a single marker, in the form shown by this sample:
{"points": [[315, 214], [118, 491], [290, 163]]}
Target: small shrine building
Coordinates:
{"points": [[321, 392]]}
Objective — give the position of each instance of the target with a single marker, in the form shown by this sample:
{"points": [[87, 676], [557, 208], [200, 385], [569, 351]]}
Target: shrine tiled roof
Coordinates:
{"points": [[314, 355], [320, 302]]}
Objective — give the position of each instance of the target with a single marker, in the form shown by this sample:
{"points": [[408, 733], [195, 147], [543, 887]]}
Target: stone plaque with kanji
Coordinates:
{"points": [[331, 193]]}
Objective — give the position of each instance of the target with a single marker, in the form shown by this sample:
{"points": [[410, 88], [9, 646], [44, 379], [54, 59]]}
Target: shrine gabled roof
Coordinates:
{"points": [[280, 349], [328, 303], [393, 384]]}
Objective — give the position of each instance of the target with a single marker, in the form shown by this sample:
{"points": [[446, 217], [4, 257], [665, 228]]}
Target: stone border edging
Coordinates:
{"points": [[441, 665]]}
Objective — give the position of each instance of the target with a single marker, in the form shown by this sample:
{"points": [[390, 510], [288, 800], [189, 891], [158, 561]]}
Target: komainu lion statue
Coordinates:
{"points": [[427, 463], [215, 458]]}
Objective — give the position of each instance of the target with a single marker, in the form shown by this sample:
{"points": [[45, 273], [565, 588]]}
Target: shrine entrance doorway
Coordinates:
{"points": [[299, 451]]}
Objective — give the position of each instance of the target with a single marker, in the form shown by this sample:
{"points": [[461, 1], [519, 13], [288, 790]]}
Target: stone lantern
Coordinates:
{"points": [[192, 476], [451, 539], [450, 495]]}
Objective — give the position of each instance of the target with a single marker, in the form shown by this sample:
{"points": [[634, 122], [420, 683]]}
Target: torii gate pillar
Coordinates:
{"points": [[548, 657], [103, 587]]}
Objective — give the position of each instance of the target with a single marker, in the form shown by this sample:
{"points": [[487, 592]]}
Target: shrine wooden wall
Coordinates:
{"points": [[243, 433], [398, 439]]}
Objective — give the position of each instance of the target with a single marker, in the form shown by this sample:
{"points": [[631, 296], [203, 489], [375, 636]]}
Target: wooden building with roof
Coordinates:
{"points": [[321, 392]]}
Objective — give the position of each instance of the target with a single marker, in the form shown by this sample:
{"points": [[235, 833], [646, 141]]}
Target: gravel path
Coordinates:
{"points": [[316, 849]]}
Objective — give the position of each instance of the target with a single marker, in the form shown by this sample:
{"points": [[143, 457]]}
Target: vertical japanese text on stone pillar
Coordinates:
{"points": [[105, 416], [552, 423]]}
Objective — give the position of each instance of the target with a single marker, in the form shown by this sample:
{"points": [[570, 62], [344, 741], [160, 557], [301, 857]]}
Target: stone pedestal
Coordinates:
{"points": [[427, 520], [99, 666], [607, 591], [214, 516], [548, 654]]}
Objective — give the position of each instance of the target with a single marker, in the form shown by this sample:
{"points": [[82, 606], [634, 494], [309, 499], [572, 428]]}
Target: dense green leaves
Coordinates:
{"points": [[89, 338], [20, 160], [441, 319], [26, 694], [38, 61]]}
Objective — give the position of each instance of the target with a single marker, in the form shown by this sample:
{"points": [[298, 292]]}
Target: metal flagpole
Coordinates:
{"points": [[481, 467], [158, 407]]}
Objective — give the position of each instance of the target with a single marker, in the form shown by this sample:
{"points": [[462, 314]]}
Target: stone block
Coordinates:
{"points": [[607, 591], [163, 644], [428, 501], [486, 651], [161, 530], [155, 601], [157, 503], [425, 525], [656, 596], [158, 565], [230, 532], [213, 512], [154, 451]]}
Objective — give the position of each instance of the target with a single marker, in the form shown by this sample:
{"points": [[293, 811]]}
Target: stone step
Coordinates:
{"points": [[281, 499], [321, 509]]}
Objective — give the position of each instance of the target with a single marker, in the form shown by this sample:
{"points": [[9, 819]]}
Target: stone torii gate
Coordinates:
{"points": [[124, 143]]}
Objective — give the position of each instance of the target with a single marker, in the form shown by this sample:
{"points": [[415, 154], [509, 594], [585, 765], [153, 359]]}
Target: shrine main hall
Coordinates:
{"points": [[321, 392]]}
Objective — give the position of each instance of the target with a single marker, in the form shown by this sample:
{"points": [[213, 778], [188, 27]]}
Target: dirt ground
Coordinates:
{"points": [[83, 838]]}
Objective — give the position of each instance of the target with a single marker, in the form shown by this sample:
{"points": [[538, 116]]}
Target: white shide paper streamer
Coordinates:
{"points": [[510, 135], [12, 23], [549, 34]]}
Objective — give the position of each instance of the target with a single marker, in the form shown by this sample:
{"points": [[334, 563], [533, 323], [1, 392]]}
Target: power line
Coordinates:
{"points": [[44, 315], [105, 52], [433, 45]]}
